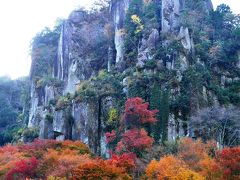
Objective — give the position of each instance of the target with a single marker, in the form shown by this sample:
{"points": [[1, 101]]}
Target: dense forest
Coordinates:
{"points": [[128, 90], [14, 95]]}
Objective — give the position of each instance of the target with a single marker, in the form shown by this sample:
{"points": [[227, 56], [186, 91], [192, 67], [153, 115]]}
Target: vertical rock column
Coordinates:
{"points": [[85, 124], [118, 11], [170, 14]]}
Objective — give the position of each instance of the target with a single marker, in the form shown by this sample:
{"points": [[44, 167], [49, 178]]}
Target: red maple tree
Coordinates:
{"points": [[131, 137], [134, 140], [137, 112]]}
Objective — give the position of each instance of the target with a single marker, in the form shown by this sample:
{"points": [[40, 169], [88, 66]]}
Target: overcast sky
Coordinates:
{"points": [[22, 19]]}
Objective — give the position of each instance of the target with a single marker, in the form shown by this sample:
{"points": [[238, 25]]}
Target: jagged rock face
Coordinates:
{"points": [[118, 11], [34, 106], [175, 128], [147, 45], [209, 5], [45, 127], [39, 99], [185, 38], [170, 14], [82, 48], [86, 124]]}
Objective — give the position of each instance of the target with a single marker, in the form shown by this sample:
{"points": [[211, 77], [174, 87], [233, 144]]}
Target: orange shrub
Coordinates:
{"points": [[8, 156], [99, 169], [76, 145], [191, 152], [197, 156], [170, 167], [152, 169], [53, 158], [62, 163], [210, 169]]}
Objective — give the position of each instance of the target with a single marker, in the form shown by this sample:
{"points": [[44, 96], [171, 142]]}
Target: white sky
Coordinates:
{"points": [[21, 19]]}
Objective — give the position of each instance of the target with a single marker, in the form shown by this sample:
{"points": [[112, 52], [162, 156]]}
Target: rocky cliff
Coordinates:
{"points": [[91, 68]]}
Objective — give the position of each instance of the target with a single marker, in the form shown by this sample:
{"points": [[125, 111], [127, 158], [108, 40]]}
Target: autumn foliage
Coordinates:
{"points": [[172, 168], [50, 159], [124, 161], [131, 137], [99, 169], [137, 112], [197, 160], [129, 146], [134, 140], [229, 161], [193, 152], [194, 159], [23, 169]]}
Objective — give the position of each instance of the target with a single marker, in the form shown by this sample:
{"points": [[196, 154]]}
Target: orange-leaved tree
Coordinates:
{"points": [[198, 156], [62, 163], [170, 167]]}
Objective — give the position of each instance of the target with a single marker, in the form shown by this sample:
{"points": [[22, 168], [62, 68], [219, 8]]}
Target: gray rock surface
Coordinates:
{"points": [[170, 15], [84, 49], [86, 124], [147, 45], [118, 11]]}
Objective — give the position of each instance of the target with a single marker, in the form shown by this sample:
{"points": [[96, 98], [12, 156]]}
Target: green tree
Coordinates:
{"points": [[11, 108], [159, 100], [44, 50], [132, 36]]}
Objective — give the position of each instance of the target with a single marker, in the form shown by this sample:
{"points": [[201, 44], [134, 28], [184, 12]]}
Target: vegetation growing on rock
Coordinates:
{"points": [[178, 73]]}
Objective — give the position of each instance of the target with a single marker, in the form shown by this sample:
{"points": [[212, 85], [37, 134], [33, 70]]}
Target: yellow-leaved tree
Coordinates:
{"points": [[169, 167]]}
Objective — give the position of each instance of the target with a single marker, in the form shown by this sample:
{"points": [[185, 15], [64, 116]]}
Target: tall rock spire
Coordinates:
{"points": [[118, 12]]}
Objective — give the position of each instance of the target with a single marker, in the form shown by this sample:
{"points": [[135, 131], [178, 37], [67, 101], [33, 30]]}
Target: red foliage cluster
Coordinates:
{"points": [[229, 160], [72, 160], [38, 147], [135, 107], [124, 161], [37, 159], [50, 159], [131, 137], [134, 139], [110, 136], [23, 169]]}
